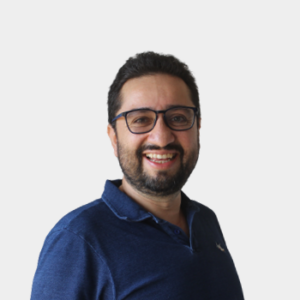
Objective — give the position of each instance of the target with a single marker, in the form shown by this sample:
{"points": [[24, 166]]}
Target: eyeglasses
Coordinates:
{"points": [[143, 120]]}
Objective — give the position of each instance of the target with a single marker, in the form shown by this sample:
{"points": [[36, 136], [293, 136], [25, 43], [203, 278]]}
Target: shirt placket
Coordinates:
{"points": [[176, 233]]}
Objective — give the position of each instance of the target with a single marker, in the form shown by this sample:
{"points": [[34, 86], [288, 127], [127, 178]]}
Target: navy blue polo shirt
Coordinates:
{"points": [[113, 249]]}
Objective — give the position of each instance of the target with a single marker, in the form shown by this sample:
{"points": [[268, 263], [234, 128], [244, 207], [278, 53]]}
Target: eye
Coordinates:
{"points": [[139, 122], [142, 120], [178, 119]]}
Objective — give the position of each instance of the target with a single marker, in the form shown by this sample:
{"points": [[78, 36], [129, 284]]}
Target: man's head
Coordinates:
{"points": [[145, 64], [157, 151]]}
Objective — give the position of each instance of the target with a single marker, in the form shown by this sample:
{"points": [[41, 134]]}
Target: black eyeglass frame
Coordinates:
{"points": [[124, 114]]}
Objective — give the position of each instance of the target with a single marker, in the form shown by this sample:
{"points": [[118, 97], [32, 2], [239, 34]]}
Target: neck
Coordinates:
{"points": [[166, 208]]}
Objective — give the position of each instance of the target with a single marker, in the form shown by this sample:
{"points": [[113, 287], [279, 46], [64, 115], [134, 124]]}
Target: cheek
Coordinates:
{"points": [[122, 128], [130, 141], [188, 140]]}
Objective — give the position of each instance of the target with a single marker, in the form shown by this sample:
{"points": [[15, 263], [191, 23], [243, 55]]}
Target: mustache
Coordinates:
{"points": [[143, 148]]}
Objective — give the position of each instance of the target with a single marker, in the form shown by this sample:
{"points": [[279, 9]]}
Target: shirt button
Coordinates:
{"points": [[176, 231]]}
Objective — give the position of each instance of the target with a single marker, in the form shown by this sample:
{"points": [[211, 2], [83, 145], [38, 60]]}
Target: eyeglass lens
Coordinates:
{"points": [[140, 121]]}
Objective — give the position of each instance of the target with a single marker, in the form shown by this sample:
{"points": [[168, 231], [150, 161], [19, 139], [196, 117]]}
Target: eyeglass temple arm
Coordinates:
{"points": [[118, 116]]}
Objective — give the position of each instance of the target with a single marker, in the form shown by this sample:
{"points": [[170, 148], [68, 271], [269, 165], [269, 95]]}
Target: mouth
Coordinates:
{"points": [[160, 158]]}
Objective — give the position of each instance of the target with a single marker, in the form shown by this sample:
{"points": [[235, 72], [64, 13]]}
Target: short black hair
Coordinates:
{"points": [[149, 63]]}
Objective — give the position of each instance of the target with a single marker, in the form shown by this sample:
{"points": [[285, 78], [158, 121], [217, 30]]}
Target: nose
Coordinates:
{"points": [[161, 135]]}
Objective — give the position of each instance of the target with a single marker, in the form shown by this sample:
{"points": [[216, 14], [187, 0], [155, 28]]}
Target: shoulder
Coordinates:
{"points": [[78, 232], [83, 220], [71, 258]]}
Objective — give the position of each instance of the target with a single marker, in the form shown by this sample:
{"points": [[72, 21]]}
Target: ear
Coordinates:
{"points": [[199, 123], [113, 138], [198, 129]]}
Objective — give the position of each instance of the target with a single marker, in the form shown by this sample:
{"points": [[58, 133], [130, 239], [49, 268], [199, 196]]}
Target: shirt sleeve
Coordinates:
{"points": [[70, 269]]}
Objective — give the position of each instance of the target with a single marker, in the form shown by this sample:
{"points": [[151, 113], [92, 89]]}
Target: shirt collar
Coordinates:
{"points": [[127, 209], [121, 205]]}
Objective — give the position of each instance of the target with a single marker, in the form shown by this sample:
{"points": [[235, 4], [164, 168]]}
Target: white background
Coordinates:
{"points": [[57, 61]]}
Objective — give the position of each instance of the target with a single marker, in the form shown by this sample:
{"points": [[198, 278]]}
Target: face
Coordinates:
{"points": [[158, 162]]}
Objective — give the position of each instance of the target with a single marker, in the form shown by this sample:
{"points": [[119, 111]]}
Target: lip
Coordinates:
{"points": [[161, 166]]}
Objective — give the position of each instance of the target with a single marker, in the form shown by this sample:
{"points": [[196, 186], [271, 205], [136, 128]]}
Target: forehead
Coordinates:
{"points": [[158, 91]]}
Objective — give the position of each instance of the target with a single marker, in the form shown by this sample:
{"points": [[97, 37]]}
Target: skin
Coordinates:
{"points": [[158, 92]]}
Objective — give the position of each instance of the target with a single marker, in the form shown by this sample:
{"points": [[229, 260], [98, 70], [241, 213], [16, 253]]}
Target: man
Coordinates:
{"points": [[144, 239]]}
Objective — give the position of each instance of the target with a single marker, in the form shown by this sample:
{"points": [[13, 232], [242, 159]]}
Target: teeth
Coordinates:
{"points": [[159, 156], [162, 161]]}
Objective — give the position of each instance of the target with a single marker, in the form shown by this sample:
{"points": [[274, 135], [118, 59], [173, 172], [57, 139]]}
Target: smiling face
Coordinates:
{"points": [[158, 162]]}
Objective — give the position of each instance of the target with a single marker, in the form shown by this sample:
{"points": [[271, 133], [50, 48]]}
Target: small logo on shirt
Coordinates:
{"points": [[219, 247]]}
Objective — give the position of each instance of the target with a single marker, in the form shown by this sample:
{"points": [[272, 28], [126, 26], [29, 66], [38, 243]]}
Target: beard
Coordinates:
{"points": [[162, 184]]}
